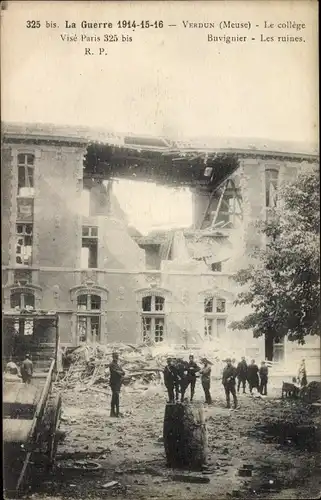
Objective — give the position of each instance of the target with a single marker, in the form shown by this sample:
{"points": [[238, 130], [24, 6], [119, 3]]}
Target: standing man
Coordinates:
{"points": [[26, 369], [192, 369], [228, 381], [116, 379], [182, 383], [206, 380], [264, 372], [253, 376], [171, 380], [241, 374]]}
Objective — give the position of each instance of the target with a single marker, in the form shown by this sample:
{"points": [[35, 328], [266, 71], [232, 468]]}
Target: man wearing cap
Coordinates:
{"points": [[263, 372], [115, 382], [253, 376], [241, 374], [228, 381], [26, 369], [206, 380], [192, 369], [171, 380]]}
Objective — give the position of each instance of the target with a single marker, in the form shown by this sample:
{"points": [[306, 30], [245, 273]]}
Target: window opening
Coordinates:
{"points": [[153, 319], [26, 175], [24, 244], [88, 325], [89, 250]]}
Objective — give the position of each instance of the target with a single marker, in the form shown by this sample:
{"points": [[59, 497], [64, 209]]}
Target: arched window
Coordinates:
{"points": [[214, 317], [23, 300], [26, 175], [88, 317], [153, 318], [271, 186]]}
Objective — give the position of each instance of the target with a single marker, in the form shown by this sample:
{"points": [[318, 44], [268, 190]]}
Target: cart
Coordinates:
{"points": [[31, 412]]}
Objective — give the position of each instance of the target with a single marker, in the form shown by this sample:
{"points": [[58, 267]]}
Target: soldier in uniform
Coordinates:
{"points": [[241, 374], [253, 376], [228, 381], [26, 369], [264, 372], [171, 379], [192, 369], [116, 379]]}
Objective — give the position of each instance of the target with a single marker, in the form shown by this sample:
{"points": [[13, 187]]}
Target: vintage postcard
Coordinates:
{"points": [[160, 249]]}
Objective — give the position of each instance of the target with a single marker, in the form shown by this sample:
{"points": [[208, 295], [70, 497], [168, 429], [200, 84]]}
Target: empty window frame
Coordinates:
{"points": [[24, 233], [214, 317], [23, 301], [88, 328], [89, 247], [153, 319], [26, 175], [88, 322]]}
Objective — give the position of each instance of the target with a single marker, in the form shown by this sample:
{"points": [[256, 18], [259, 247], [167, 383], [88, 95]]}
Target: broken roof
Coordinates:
{"points": [[152, 143], [200, 163]]}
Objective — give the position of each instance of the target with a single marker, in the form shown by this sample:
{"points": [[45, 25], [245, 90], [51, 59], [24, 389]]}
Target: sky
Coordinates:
{"points": [[168, 81]]}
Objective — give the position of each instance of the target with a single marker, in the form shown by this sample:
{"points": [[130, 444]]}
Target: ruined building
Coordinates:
{"points": [[67, 247]]}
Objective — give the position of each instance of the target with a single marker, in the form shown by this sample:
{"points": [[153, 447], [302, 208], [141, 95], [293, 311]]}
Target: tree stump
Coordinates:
{"points": [[185, 436]]}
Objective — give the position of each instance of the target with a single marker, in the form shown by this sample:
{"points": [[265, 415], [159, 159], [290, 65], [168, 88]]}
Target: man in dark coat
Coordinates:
{"points": [[26, 369], [206, 380], [192, 369], [182, 374], [253, 376], [228, 381], [264, 372], [115, 382], [241, 374], [171, 379]]}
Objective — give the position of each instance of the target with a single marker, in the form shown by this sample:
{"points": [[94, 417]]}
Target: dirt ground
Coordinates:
{"points": [[280, 439]]}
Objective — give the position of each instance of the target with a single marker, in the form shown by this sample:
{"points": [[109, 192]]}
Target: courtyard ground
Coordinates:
{"points": [[280, 439]]}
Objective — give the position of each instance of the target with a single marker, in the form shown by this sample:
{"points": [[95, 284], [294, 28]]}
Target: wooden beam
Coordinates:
{"points": [[219, 204]]}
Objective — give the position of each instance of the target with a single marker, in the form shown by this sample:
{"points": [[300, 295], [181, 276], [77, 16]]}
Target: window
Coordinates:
{"points": [[271, 186], [23, 301], [214, 317], [88, 324], [26, 175], [89, 250], [24, 244], [208, 305], [216, 267], [153, 318]]}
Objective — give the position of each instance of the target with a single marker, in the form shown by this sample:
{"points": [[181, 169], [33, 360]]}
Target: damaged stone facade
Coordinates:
{"points": [[67, 247]]}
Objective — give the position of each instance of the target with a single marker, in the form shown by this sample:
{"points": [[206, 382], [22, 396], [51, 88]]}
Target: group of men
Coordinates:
{"points": [[26, 370], [256, 377], [180, 374]]}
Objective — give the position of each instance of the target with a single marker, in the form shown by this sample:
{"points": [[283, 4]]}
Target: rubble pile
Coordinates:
{"points": [[87, 365]]}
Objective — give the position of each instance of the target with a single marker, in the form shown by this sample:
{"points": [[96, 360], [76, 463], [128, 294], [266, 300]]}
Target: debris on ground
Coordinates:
{"points": [[86, 366]]}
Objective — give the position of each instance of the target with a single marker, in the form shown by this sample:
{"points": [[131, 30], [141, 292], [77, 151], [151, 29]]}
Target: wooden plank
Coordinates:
{"points": [[17, 392], [23, 471], [16, 430]]}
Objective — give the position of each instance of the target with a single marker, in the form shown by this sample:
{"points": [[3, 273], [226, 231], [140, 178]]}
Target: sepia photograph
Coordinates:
{"points": [[160, 196]]}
